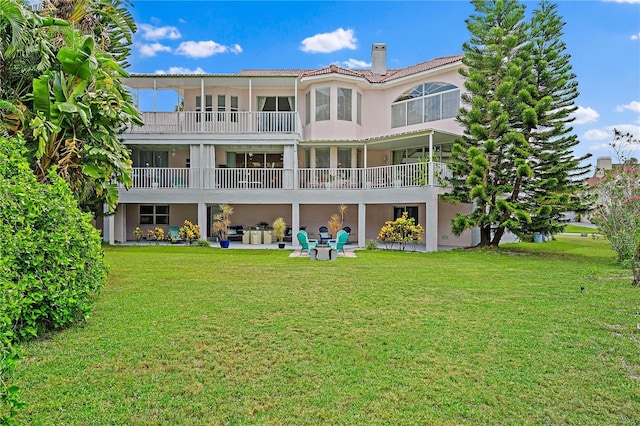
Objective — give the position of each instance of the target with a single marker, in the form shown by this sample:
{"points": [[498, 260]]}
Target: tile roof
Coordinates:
{"points": [[390, 75]]}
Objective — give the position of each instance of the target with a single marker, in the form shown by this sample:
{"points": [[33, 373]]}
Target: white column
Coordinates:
{"points": [[202, 219], [431, 225], [431, 171], [108, 227], [295, 223], [203, 104], [362, 224]]}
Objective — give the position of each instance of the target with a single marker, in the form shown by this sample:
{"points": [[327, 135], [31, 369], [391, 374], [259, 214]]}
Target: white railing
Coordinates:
{"points": [[217, 122], [396, 176]]}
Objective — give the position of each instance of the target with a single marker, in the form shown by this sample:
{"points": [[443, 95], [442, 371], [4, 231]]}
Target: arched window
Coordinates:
{"points": [[426, 102]]}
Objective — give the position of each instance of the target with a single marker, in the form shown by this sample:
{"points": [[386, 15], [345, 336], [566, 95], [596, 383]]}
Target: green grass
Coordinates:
{"points": [[195, 336], [577, 229]]}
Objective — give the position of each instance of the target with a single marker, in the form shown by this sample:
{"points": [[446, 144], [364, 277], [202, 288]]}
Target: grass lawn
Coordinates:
{"points": [[577, 229], [195, 336]]}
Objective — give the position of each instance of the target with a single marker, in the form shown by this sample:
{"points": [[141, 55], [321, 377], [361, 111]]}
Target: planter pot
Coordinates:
{"points": [[224, 243], [281, 245]]}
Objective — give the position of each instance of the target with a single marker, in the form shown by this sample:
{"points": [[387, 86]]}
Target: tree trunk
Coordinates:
{"points": [[497, 236]]}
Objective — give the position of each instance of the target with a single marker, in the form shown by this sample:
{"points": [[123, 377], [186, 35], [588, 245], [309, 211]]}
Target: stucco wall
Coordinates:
{"points": [[446, 212]]}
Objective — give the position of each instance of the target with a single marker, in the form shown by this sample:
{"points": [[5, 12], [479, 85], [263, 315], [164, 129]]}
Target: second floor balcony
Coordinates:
{"points": [[218, 122], [381, 177]]}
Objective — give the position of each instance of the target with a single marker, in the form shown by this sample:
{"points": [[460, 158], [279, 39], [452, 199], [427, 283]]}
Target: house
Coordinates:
{"points": [[296, 144]]}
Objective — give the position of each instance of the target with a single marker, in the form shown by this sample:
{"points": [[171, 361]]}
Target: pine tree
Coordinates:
{"points": [[556, 187], [491, 160], [515, 161]]}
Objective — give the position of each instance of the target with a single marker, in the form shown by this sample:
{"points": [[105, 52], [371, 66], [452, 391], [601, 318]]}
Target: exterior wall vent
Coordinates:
{"points": [[379, 58]]}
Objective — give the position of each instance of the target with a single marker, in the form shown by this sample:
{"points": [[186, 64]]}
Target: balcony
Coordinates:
{"points": [[218, 122], [382, 177]]}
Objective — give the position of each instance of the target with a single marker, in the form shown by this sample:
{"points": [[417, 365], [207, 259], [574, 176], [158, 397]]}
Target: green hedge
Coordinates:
{"points": [[51, 260]]}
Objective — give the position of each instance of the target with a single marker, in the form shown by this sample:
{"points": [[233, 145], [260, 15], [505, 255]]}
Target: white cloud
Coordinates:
{"points": [[585, 115], [596, 135], [204, 49], [329, 42], [357, 64], [626, 128], [151, 32], [149, 50], [623, 1], [181, 70], [631, 106], [635, 37]]}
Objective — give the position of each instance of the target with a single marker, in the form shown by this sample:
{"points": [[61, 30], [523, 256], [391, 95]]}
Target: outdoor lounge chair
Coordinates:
{"points": [[324, 234], [305, 242], [340, 241], [173, 234]]}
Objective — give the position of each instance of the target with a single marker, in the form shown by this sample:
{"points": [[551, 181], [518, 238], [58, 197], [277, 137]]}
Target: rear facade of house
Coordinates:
{"points": [[296, 144]]}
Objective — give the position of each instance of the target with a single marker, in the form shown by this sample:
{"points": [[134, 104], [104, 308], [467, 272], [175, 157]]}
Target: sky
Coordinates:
{"points": [[602, 37]]}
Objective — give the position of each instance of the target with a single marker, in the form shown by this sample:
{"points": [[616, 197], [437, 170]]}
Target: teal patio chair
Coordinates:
{"points": [[305, 242], [173, 234], [341, 239]]}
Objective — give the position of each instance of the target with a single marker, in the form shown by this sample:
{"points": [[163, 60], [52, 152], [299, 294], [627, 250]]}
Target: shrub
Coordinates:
{"points": [[203, 243], [190, 232], [403, 231], [51, 259], [156, 234], [371, 245]]}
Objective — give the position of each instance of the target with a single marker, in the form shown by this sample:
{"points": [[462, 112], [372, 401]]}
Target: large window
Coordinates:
{"points": [[344, 158], [426, 102], [344, 104], [151, 214], [412, 212], [323, 104], [208, 100], [221, 107], [234, 108]]}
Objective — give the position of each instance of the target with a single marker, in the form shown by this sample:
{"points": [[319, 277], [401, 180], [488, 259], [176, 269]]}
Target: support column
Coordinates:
{"points": [[108, 227], [431, 225], [431, 171], [295, 223], [362, 224], [202, 219]]}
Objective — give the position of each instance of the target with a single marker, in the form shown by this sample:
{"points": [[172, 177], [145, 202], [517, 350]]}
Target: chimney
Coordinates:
{"points": [[379, 58]]}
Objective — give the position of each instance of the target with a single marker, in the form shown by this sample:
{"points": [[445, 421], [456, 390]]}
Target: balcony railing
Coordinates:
{"points": [[397, 176], [217, 122]]}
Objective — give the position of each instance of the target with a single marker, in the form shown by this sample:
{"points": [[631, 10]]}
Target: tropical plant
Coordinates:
{"points": [[279, 228], [190, 232], [336, 221], [222, 221], [138, 234], [403, 232], [156, 234], [618, 211]]}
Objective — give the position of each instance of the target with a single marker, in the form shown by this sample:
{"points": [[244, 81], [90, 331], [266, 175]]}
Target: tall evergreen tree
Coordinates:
{"points": [[553, 87], [515, 161], [491, 160]]}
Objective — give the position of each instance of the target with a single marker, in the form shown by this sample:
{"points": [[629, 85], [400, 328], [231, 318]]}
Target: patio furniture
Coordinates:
{"points": [[173, 234], [323, 253], [340, 241], [305, 242], [324, 234]]}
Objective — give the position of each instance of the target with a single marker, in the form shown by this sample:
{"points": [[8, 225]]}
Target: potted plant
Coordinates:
{"points": [[279, 228], [221, 223]]}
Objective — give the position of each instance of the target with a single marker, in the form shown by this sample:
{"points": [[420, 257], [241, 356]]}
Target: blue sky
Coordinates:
{"points": [[602, 37]]}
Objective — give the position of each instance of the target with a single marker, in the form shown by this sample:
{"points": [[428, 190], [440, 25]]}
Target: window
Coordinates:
{"points": [[344, 157], [221, 107], [426, 102], [359, 106], [208, 102], [412, 212], [154, 214], [153, 159], [344, 104], [307, 108], [323, 104], [322, 158], [234, 109]]}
